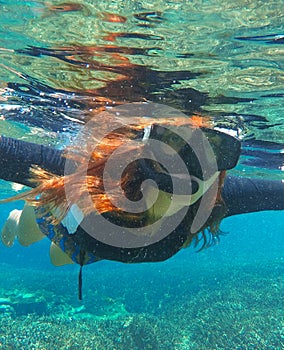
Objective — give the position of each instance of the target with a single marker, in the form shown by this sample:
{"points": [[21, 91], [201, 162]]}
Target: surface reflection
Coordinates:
{"points": [[55, 79]]}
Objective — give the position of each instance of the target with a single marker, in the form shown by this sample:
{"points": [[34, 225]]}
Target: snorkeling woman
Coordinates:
{"points": [[62, 198]]}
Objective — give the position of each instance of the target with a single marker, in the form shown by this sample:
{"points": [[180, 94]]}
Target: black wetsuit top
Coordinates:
{"points": [[241, 195]]}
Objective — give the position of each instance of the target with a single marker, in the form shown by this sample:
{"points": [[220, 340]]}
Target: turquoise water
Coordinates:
{"points": [[59, 62]]}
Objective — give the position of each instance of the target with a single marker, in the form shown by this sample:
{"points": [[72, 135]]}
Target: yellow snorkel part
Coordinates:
{"points": [[167, 204]]}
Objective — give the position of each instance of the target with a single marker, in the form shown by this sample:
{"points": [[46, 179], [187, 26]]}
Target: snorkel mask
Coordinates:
{"points": [[190, 144]]}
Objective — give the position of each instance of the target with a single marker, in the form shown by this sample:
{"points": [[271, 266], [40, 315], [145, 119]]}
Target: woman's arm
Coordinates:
{"points": [[243, 195], [17, 157]]}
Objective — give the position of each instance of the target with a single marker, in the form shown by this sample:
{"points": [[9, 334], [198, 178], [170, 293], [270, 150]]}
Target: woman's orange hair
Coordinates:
{"points": [[87, 181]]}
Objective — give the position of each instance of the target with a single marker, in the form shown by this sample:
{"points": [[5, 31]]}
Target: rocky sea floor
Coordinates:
{"points": [[143, 307]]}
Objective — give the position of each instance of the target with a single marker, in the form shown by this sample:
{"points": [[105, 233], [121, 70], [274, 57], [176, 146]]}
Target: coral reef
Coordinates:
{"points": [[229, 308]]}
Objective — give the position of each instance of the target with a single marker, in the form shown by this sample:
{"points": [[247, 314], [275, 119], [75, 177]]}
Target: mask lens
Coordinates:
{"points": [[226, 148]]}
